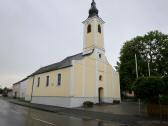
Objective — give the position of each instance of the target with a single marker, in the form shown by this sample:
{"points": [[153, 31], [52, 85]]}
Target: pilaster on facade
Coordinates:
{"points": [[105, 81], [97, 81], [72, 77], [84, 79]]}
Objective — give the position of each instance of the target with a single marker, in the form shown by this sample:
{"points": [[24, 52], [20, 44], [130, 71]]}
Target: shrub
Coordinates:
{"points": [[116, 101], [165, 79], [88, 104], [164, 100], [149, 88]]}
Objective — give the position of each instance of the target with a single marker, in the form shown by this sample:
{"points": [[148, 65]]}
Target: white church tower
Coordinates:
{"points": [[107, 79], [93, 31]]}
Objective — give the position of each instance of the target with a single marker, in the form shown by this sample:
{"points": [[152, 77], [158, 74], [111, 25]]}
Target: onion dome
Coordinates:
{"points": [[93, 10]]}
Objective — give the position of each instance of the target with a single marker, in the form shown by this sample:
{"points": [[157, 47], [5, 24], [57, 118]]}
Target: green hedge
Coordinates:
{"points": [[149, 88], [164, 100], [88, 104], [165, 79]]}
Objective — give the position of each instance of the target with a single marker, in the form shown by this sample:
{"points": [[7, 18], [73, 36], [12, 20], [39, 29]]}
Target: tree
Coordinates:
{"points": [[152, 89], [149, 88], [5, 92], [165, 79], [1, 91], [151, 48]]}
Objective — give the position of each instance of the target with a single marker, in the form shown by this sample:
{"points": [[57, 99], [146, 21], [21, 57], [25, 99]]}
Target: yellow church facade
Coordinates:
{"points": [[86, 76]]}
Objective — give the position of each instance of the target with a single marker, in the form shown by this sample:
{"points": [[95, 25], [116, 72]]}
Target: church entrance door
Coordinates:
{"points": [[100, 90]]}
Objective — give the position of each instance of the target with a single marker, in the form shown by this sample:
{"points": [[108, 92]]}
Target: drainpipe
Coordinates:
{"points": [[32, 89]]}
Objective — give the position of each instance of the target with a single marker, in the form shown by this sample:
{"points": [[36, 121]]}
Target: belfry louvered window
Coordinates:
{"points": [[99, 28], [89, 28]]}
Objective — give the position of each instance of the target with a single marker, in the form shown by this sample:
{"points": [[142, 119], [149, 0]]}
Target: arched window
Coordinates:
{"points": [[89, 29], [59, 79], [100, 56], [38, 82], [100, 78], [99, 28], [47, 81]]}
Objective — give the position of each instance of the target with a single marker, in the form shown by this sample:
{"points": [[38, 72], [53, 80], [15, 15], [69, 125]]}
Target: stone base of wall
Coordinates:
{"points": [[68, 102], [27, 98], [108, 100], [78, 101], [54, 101]]}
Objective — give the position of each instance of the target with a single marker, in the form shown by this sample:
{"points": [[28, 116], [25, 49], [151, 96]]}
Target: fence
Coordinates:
{"points": [[158, 111]]}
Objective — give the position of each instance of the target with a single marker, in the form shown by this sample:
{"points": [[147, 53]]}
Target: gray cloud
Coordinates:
{"points": [[35, 33]]}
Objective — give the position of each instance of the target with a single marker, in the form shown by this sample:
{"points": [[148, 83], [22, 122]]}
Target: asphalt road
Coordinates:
{"points": [[14, 115]]}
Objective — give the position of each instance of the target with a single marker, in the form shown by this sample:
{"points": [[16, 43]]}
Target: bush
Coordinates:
{"points": [[4, 95], [88, 104], [21, 99], [164, 100], [149, 88], [116, 101], [165, 79]]}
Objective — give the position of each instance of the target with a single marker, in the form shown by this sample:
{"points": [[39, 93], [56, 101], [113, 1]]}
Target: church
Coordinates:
{"points": [[86, 76]]}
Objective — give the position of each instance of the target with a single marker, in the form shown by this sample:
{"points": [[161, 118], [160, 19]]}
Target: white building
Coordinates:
{"points": [[19, 89], [23, 87]]}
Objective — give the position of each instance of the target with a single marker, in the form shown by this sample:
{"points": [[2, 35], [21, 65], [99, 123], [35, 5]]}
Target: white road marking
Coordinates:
{"points": [[44, 121]]}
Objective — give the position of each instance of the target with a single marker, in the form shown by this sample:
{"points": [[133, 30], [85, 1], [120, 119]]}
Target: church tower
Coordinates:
{"points": [[93, 31]]}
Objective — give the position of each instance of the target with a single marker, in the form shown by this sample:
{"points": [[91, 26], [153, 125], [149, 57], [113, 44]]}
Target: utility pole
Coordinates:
{"points": [[136, 65], [149, 69]]}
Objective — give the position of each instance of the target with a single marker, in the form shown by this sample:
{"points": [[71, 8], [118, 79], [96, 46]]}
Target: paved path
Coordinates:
{"points": [[125, 108]]}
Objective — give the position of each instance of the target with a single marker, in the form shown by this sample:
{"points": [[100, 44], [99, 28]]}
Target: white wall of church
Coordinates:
{"points": [[23, 87]]}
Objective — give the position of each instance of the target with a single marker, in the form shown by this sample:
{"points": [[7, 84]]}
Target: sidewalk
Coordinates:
{"points": [[125, 108], [98, 113]]}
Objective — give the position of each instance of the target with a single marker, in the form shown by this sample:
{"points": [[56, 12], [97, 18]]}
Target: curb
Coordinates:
{"points": [[31, 106]]}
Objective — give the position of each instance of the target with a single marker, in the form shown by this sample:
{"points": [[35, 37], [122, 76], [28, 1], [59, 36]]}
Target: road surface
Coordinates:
{"points": [[14, 115]]}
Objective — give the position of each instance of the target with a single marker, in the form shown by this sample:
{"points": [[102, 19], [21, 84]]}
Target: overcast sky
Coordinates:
{"points": [[36, 33]]}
